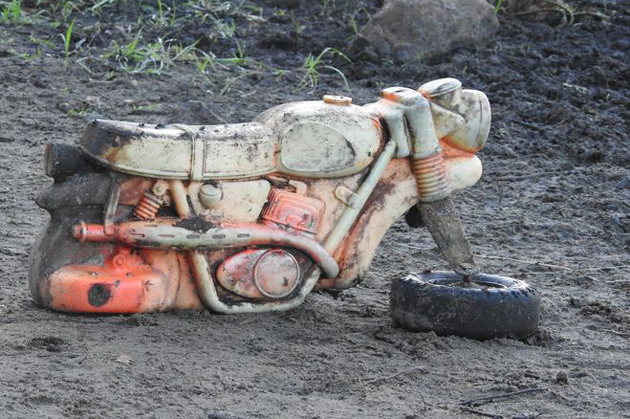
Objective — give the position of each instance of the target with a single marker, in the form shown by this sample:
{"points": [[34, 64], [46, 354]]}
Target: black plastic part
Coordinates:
{"points": [[82, 190], [70, 201], [488, 307], [62, 160], [414, 218], [99, 295]]}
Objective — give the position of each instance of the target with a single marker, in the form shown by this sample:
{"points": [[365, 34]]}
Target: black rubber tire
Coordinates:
{"points": [[504, 307]]}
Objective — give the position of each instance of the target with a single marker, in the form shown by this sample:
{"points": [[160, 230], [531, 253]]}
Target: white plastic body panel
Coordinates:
{"points": [[324, 140], [240, 201], [308, 139]]}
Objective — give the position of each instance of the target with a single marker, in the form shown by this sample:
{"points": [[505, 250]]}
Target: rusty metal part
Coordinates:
{"points": [[193, 190], [148, 206], [296, 186], [418, 119], [394, 121], [205, 283], [427, 160], [134, 188], [185, 152], [317, 139], [308, 139], [294, 210], [445, 90], [432, 177], [196, 233], [346, 196], [442, 220]]}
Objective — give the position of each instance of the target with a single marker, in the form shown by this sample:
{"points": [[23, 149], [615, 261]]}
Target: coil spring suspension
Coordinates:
{"points": [[432, 178], [148, 206]]}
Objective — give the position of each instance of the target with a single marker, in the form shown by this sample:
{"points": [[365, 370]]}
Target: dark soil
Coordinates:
{"points": [[552, 208]]}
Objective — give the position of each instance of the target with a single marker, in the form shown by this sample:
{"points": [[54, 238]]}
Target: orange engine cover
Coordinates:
{"points": [[294, 210], [260, 273]]}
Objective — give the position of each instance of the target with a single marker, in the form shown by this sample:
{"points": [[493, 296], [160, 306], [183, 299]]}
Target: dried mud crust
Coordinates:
{"points": [[552, 209]]}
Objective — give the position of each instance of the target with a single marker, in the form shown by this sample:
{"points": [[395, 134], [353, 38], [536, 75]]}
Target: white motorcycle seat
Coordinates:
{"points": [[181, 151], [308, 139]]}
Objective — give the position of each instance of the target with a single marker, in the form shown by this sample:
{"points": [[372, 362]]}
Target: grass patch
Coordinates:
{"points": [[151, 37], [151, 58]]}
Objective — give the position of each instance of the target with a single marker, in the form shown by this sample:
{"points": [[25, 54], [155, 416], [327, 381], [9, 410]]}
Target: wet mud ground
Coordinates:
{"points": [[552, 208]]}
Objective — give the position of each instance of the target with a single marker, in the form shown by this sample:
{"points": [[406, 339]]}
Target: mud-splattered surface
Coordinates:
{"points": [[552, 208]]}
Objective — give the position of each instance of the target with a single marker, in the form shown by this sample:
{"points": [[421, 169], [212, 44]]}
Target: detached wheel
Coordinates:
{"points": [[485, 307]]}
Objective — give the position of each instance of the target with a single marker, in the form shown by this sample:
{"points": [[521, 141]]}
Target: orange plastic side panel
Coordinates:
{"points": [[94, 289], [187, 296], [128, 283]]}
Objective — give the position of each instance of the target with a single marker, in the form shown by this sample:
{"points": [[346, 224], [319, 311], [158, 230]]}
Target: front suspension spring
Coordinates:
{"points": [[432, 178]]}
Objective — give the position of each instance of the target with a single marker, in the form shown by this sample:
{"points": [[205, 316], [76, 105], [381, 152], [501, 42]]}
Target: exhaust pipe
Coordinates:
{"points": [[199, 234]]}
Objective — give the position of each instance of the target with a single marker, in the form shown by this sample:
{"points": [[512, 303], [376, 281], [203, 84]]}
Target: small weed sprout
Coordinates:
{"points": [[312, 65], [497, 6], [67, 9], [66, 40], [225, 29], [160, 12], [78, 113], [11, 13], [297, 27], [41, 41], [172, 21], [280, 74], [354, 20], [31, 57], [206, 61], [148, 108]]}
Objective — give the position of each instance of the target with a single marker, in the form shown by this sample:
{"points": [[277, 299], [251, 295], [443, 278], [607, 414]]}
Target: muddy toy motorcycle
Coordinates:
{"points": [[251, 217]]}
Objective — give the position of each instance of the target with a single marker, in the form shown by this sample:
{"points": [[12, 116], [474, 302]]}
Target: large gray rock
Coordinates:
{"points": [[412, 30]]}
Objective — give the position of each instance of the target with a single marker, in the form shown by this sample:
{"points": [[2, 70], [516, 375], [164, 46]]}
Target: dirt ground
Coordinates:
{"points": [[552, 208]]}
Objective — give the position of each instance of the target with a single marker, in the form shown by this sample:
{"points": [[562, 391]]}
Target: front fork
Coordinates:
{"points": [[408, 116], [442, 220]]}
